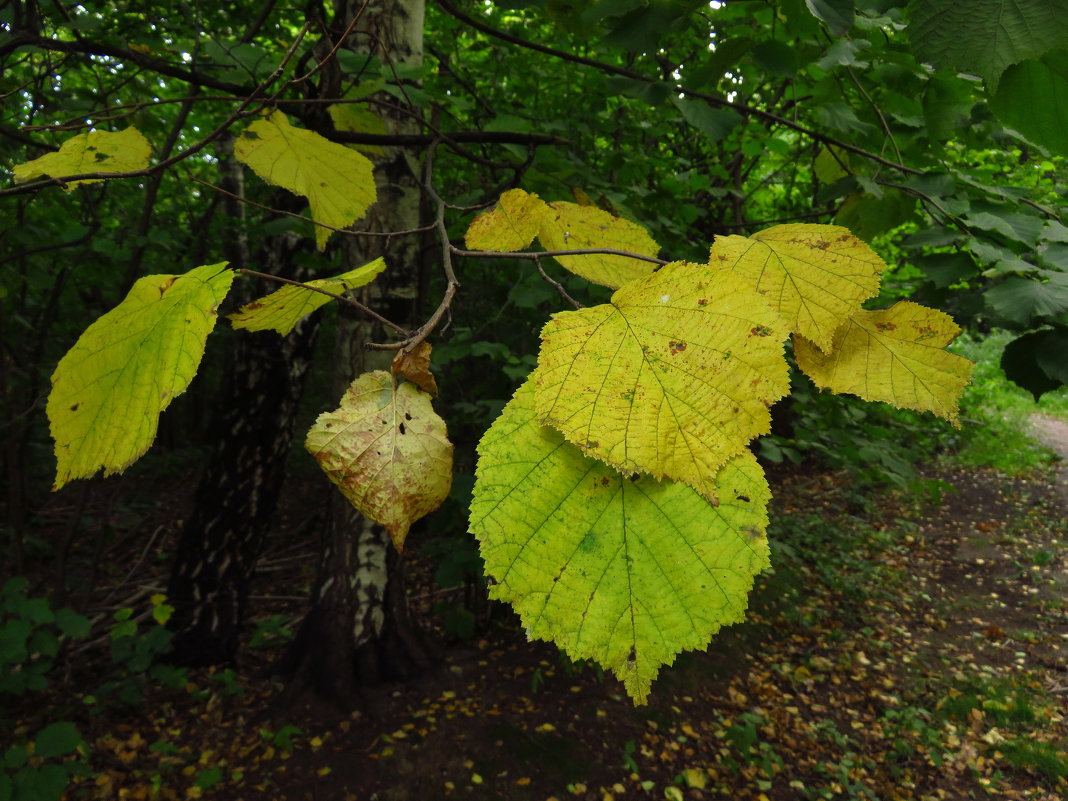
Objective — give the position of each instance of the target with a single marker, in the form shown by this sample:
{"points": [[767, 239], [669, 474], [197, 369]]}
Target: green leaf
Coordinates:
{"points": [[1022, 299], [869, 216], [283, 309], [338, 182], [984, 37], [945, 269], [715, 123], [814, 276], [947, 106], [110, 388], [775, 57], [57, 739], [1038, 361], [209, 777], [998, 260], [672, 378], [894, 355], [838, 14], [622, 570], [1032, 97], [95, 151], [72, 624], [47, 783], [569, 226], [387, 450]]}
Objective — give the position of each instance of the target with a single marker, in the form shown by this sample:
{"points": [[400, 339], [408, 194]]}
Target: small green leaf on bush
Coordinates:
{"points": [[15, 757], [57, 739], [47, 783], [72, 624], [209, 777], [95, 151]]}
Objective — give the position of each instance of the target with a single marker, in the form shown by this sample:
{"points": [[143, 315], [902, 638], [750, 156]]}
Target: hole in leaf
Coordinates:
{"points": [[401, 428]]}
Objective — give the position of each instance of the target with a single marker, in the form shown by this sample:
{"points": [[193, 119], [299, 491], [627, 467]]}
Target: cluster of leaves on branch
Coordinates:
{"points": [[670, 381], [617, 507], [630, 437]]}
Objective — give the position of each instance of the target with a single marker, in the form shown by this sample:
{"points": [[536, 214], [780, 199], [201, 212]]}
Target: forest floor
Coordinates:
{"points": [[907, 645]]}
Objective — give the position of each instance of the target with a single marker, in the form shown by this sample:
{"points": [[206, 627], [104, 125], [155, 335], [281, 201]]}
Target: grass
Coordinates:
{"points": [[997, 413]]}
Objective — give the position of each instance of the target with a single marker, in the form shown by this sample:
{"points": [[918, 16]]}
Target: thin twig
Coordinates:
{"points": [[294, 215], [452, 284], [557, 284], [532, 255]]}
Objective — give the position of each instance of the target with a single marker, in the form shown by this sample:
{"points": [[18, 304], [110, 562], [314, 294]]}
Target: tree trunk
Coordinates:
{"points": [[253, 431], [359, 630]]}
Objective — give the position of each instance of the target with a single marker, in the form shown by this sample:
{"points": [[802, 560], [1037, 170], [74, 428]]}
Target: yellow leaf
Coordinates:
{"points": [[672, 378], [386, 449], [95, 151], [509, 227], [283, 309], [109, 390], [695, 777], [569, 226], [896, 355], [814, 276], [338, 182], [355, 119]]}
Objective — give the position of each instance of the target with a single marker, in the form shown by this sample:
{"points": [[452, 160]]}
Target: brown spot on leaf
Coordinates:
{"points": [[702, 302], [74, 408], [885, 326], [676, 347], [760, 331]]}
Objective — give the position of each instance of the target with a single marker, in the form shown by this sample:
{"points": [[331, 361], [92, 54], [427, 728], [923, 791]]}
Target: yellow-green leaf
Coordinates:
{"points": [[356, 119], [815, 276], [672, 378], [509, 227], [569, 226], [110, 388], [625, 571], [386, 449], [895, 355], [283, 309], [338, 182], [95, 151]]}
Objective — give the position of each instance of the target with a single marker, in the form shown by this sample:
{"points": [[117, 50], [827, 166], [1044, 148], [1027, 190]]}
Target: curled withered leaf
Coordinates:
{"points": [[415, 367]]}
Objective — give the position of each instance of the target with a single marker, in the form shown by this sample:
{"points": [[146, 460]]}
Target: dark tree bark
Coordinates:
{"points": [[359, 631], [236, 498]]}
